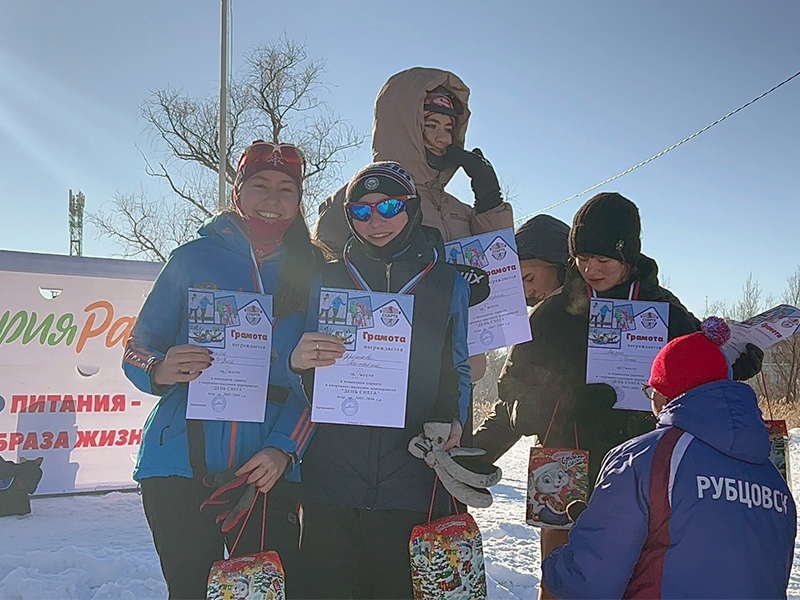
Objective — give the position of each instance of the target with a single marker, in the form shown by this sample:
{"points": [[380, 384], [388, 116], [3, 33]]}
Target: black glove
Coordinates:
{"points": [[574, 509], [748, 364], [483, 179], [478, 281]]}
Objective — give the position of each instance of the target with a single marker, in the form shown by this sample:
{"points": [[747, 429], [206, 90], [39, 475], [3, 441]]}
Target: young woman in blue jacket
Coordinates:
{"points": [[262, 246]]}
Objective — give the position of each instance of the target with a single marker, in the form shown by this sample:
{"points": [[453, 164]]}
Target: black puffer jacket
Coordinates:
{"points": [[371, 467], [550, 370]]}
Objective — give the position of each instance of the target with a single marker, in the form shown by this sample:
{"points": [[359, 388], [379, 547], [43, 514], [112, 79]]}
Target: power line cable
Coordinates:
{"points": [[662, 153]]}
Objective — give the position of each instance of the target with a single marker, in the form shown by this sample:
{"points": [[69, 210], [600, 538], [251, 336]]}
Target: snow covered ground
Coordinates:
{"points": [[97, 547]]}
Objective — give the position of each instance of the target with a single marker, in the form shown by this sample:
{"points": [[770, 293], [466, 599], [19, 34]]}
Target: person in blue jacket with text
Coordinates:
{"points": [[262, 246], [694, 509]]}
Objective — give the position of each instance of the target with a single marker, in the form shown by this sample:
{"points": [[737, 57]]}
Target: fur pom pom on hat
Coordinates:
{"points": [[691, 360], [607, 225]]}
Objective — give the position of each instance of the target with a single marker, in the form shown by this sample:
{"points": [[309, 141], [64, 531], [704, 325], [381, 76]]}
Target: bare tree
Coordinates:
{"points": [[749, 304], [715, 308], [781, 361], [278, 96], [784, 357]]}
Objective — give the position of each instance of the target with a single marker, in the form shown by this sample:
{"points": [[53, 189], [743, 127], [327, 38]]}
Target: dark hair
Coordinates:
{"points": [[302, 257]]}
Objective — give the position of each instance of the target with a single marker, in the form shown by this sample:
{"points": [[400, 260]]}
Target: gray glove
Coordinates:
{"points": [[461, 470]]}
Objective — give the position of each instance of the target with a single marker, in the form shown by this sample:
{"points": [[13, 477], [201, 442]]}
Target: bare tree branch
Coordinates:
{"points": [[277, 97]]}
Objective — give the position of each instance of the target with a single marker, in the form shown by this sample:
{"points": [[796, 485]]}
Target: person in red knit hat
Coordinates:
{"points": [[694, 509]]}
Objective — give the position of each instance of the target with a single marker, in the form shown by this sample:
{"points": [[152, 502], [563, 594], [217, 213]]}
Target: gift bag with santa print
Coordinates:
{"points": [[556, 477], [447, 559]]}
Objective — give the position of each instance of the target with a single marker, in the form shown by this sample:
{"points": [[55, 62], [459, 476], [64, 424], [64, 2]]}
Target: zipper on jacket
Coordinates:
{"points": [[388, 277]]}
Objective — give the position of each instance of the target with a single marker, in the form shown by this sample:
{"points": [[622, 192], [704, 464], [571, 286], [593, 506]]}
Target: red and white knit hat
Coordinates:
{"points": [[691, 360]]}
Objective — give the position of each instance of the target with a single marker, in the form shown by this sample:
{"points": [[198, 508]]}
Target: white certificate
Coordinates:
{"points": [[624, 338], [237, 327], [770, 327], [369, 384], [502, 319]]}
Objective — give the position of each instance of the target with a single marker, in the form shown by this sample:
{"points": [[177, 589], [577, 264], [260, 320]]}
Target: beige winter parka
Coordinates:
{"points": [[397, 135]]}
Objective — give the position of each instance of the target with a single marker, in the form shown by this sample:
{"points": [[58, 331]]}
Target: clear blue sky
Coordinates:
{"points": [[564, 95]]}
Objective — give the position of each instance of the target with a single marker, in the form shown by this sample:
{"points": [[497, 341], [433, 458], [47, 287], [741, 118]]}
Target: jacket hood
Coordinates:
{"points": [[724, 415], [397, 127], [227, 230]]}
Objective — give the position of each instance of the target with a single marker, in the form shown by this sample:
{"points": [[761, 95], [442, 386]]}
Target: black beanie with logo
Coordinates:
{"points": [[607, 225]]}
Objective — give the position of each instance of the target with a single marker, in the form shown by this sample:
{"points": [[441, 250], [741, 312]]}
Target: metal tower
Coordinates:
{"points": [[76, 204]]}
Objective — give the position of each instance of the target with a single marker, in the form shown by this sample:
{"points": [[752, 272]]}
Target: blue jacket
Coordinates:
{"points": [[219, 259], [721, 518]]}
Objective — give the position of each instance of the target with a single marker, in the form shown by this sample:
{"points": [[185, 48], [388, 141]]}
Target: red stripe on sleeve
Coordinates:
{"points": [[646, 579]]}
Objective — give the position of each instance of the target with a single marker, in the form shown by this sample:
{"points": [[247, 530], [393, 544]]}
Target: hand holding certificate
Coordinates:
{"points": [[624, 339], [316, 349], [237, 328], [763, 330], [501, 319], [369, 383]]}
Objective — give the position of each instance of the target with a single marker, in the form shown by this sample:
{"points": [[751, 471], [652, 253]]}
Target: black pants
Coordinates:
{"points": [[357, 553], [188, 541]]}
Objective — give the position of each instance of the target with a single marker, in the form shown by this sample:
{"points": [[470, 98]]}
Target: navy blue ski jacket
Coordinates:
{"points": [[694, 509]]}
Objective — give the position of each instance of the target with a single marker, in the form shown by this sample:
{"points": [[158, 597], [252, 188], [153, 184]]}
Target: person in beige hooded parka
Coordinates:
{"points": [[402, 111], [397, 134]]}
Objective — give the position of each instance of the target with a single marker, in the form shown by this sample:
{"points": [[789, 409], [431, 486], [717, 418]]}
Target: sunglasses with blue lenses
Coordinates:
{"points": [[388, 209]]}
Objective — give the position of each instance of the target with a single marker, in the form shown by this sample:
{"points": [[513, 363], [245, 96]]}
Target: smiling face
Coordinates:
{"points": [[539, 279], [601, 272], [270, 196], [379, 231], [437, 132]]}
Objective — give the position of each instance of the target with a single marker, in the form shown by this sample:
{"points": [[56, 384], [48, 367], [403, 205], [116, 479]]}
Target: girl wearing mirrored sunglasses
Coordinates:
{"points": [[360, 483]]}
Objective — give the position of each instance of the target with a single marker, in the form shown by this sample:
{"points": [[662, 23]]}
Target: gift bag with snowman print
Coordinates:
{"points": [[447, 559], [250, 577]]}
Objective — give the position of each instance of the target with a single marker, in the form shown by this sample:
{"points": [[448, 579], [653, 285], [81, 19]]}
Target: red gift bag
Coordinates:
{"points": [[447, 558], [257, 576], [556, 477], [778, 446]]}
